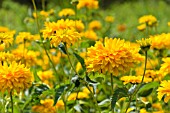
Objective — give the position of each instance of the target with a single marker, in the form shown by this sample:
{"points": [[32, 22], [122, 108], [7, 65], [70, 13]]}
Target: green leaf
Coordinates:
{"points": [[118, 93], [89, 80], [81, 60], [147, 89], [62, 48], [59, 92]]}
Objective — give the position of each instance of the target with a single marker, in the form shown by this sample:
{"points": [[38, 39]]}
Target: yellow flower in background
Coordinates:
{"points": [[109, 19], [121, 27], [66, 12], [168, 23], [3, 29], [135, 79], [161, 41], [144, 43], [46, 77], [141, 27], [6, 38], [14, 77], [7, 57], [23, 36], [46, 106], [68, 36], [59, 104], [149, 20], [79, 25], [114, 56], [44, 13], [81, 95], [164, 90], [90, 34], [143, 110], [165, 67], [90, 4], [95, 25]]}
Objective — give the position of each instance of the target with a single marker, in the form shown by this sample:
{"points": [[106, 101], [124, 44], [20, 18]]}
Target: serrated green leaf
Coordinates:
{"points": [[118, 93], [147, 89], [81, 60]]}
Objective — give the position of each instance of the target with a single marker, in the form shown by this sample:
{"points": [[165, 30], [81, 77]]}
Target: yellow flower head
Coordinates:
{"points": [[81, 95], [90, 4], [168, 23], [46, 106], [7, 57], [161, 41], [79, 25], [6, 37], [90, 34], [23, 36], [109, 19], [165, 67], [66, 12], [134, 79], [44, 13], [164, 90], [144, 43], [61, 31], [149, 20], [95, 25], [114, 56], [14, 77], [141, 27], [3, 29]]}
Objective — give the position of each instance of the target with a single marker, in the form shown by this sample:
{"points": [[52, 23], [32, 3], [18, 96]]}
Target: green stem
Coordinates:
{"points": [[12, 107], [111, 76], [95, 100], [43, 4], [135, 92], [38, 26]]}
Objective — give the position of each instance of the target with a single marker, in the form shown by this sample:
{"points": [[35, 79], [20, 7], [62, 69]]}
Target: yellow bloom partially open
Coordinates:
{"points": [[90, 4]]}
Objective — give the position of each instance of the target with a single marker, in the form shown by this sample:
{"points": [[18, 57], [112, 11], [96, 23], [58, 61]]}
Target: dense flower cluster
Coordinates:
{"points": [[114, 56], [14, 77]]}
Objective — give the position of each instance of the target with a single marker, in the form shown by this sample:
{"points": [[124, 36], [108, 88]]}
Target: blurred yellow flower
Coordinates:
{"points": [[135, 79], [168, 23], [149, 20], [141, 27], [3, 29], [109, 19], [14, 77], [161, 41], [144, 43], [114, 56], [90, 34], [44, 13], [95, 25], [143, 110], [7, 57], [6, 38], [90, 4], [164, 90], [81, 95], [66, 12], [59, 104], [165, 67], [23, 36], [121, 27], [79, 25], [46, 106]]}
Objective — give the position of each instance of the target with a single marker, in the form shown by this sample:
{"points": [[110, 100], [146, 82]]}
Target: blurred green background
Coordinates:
{"points": [[15, 13]]}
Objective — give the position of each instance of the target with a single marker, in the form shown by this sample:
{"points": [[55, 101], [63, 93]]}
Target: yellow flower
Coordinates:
{"points": [[141, 27], [6, 37], [164, 90], [66, 12], [81, 95], [165, 67], [121, 27], [168, 23], [23, 36], [90, 4], [14, 77], [143, 110], [109, 19], [95, 25], [44, 13], [161, 41], [79, 25], [46, 106], [68, 36], [59, 104], [3, 29], [134, 79], [144, 43], [7, 57], [149, 20], [114, 56], [90, 34], [46, 77]]}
